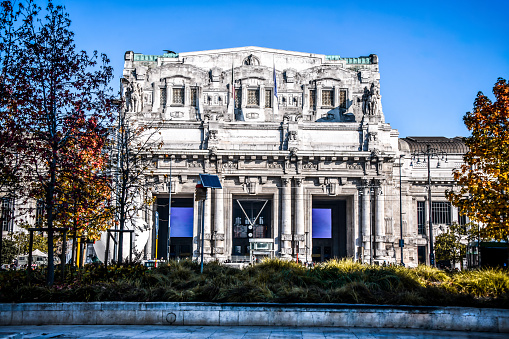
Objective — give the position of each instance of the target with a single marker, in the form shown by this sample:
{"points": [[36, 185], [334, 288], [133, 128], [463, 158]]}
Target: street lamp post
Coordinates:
{"points": [[429, 154]]}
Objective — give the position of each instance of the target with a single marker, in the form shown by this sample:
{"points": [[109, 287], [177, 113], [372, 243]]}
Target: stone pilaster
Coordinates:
{"points": [[299, 212], [286, 217], [379, 223], [218, 223], [366, 230], [206, 223]]}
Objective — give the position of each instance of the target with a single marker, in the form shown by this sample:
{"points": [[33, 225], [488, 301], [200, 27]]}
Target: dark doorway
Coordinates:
{"points": [[181, 234], [251, 219], [328, 230], [421, 255]]}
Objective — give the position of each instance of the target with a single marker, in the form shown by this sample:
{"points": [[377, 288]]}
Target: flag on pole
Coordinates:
{"points": [[233, 88], [275, 104]]}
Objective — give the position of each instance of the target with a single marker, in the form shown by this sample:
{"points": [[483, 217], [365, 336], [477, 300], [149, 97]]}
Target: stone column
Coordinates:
{"points": [[206, 223], [366, 231], [286, 217], [299, 237], [299, 206], [218, 223], [379, 223]]}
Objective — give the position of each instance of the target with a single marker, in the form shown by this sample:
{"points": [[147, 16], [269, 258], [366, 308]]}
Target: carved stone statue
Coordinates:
{"points": [[371, 100], [133, 97], [366, 101]]}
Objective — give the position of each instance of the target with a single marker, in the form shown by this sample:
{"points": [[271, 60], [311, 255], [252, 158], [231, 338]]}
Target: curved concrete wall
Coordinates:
{"points": [[256, 314]]}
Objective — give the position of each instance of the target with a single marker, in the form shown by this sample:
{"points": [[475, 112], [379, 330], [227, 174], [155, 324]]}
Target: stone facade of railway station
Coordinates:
{"points": [[293, 137]]}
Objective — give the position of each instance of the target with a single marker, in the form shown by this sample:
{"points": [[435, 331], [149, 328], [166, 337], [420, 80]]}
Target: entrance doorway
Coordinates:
{"points": [[181, 233], [251, 219], [328, 230]]}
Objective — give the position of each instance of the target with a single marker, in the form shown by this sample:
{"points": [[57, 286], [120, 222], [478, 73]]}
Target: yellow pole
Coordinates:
{"points": [[157, 236], [78, 261]]}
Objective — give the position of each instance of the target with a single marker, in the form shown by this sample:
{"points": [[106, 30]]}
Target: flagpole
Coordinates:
{"points": [[275, 105], [233, 91]]}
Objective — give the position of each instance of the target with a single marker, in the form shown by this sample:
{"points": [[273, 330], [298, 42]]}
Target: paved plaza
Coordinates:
{"points": [[226, 332]]}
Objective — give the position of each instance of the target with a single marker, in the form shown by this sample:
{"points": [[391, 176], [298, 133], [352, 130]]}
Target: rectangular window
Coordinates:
{"points": [[162, 96], [327, 98], [194, 97], [238, 98], [268, 98], [321, 223], [7, 214], [421, 217], [441, 212], [39, 213], [462, 219], [342, 98], [253, 99], [178, 96], [312, 98]]}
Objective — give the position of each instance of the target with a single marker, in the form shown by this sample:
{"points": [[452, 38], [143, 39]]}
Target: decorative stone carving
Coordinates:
{"points": [[133, 97], [212, 134], [354, 166], [299, 237], [290, 75], [275, 165], [292, 135], [215, 74], [310, 166], [230, 165], [372, 136], [371, 100], [252, 116], [218, 236], [218, 250], [177, 114], [251, 60], [285, 237]]}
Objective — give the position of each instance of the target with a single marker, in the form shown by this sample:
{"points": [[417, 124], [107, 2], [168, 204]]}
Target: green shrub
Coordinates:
{"points": [[273, 280]]}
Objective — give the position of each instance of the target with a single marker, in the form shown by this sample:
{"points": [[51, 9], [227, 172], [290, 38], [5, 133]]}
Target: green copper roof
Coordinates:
{"points": [[144, 57], [361, 60]]}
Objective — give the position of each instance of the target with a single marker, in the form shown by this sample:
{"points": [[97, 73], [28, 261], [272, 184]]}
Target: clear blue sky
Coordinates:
{"points": [[434, 55]]}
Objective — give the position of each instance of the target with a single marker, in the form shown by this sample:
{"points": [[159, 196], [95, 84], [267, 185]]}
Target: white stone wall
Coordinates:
{"points": [[339, 149]]}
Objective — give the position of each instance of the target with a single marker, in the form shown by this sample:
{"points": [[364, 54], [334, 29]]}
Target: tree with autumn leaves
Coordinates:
{"points": [[59, 101], [483, 179]]}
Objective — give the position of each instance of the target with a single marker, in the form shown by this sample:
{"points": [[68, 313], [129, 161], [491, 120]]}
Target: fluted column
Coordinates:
{"points": [[219, 222], [379, 223], [366, 232], [286, 217]]}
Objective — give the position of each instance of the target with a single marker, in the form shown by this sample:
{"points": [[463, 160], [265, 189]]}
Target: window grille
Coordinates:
{"points": [[238, 98], [7, 214], [312, 98], [253, 98], [327, 97], [194, 97], [162, 96], [268, 98], [342, 98], [421, 217], [441, 212], [178, 96]]}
